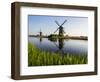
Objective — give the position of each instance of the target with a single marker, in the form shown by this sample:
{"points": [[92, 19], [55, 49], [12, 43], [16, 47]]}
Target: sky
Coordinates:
{"points": [[75, 26]]}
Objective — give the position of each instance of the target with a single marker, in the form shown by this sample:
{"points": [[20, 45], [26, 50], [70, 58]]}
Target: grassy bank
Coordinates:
{"points": [[37, 57]]}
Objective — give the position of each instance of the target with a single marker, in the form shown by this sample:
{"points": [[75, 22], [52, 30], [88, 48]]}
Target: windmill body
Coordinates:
{"points": [[40, 33], [60, 29]]}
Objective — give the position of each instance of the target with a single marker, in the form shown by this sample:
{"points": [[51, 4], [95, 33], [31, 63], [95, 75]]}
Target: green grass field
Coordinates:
{"points": [[37, 57]]}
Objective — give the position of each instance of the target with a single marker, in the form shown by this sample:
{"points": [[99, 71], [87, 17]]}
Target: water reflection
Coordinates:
{"points": [[60, 42], [60, 45], [40, 39]]}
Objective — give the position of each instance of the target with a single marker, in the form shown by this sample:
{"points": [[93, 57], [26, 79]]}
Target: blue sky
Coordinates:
{"points": [[75, 26]]}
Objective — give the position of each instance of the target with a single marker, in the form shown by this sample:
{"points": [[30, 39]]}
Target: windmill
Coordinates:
{"points": [[60, 28], [40, 33]]}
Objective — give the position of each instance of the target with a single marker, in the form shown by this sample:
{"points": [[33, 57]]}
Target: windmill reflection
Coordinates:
{"points": [[40, 39], [59, 44]]}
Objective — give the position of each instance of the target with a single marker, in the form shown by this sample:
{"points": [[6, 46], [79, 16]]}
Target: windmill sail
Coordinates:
{"points": [[57, 23], [56, 30], [63, 22]]}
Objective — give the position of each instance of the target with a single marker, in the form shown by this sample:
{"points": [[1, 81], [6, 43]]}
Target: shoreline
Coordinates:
{"points": [[68, 37]]}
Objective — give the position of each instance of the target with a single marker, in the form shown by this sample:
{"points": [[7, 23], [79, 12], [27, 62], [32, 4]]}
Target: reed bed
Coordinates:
{"points": [[37, 57]]}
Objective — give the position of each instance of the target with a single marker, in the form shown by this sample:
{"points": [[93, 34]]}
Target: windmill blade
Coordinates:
{"points": [[57, 23], [63, 22], [56, 30]]}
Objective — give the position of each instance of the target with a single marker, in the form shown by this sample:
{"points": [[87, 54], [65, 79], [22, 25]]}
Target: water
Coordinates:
{"points": [[62, 45]]}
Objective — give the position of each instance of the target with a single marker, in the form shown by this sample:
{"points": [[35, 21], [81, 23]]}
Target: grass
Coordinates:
{"points": [[37, 57]]}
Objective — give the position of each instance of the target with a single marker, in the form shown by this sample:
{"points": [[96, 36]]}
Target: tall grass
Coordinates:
{"points": [[37, 57]]}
